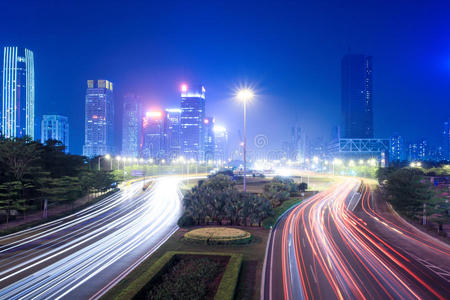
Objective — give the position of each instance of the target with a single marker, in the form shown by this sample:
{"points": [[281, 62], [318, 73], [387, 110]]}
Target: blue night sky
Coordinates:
{"points": [[289, 50]]}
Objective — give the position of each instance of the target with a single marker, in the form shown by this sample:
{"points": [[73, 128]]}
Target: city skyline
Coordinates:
{"points": [[410, 82]]}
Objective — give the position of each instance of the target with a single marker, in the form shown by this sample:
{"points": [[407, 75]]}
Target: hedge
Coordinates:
{"points": [[226, 287]]}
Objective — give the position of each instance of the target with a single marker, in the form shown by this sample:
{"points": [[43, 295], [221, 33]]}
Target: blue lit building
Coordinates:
{"points": [[446, 141], [153, 135], [55, 127], [192, 118], [99, 118], [172, 133], [17, 107], [209, 143], [396, 150], [131, 126], [357, 113], [220, 143]]}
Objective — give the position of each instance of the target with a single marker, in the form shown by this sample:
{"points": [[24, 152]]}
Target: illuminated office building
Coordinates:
{"points": [[396, 151], [55, 127], [192, 118], [209, 143], [131, 126], [220, 143], [17, 110], [356, 105], [172, 132], [99, 118], [153, 135]]}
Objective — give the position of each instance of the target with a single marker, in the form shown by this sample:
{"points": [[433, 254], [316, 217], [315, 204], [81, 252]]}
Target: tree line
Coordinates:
{"points": [[217, 200], [32, 172], [411, 192]]}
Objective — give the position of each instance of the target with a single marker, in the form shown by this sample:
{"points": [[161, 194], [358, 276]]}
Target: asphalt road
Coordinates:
{"points": [[335, 247], [82, 255]]}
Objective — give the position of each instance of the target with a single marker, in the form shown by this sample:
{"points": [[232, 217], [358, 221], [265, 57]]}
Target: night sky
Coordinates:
{"points": [[290, 51]]}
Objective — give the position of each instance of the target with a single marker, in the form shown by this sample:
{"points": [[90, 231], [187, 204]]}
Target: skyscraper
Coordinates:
{"points": [[172, 128], [131, 126], [446, 140], [221, 143], [17, 112], [396, 148], [153, 135], [99, 117], [192, 116], [209, 144], [357, 113], [55, 127]]}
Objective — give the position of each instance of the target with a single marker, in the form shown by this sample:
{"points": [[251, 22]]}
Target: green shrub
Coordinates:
{"points": [[185, 221]]}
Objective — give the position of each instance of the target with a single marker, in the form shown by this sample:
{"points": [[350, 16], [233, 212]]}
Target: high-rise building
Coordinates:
{"points": [[17, 111], [55, 127], [396, 148], [357, 113], [99, 118], [422, 148], [131, 126], [192, 116], [172, 132], [221, 143], [413, 152], [446, 140], [209, 143], [153, 135]]}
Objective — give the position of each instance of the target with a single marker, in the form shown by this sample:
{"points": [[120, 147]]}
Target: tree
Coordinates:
{"points": [[9, 194]]}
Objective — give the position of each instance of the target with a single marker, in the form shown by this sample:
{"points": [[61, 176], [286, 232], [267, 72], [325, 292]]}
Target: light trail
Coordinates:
{"points": [[65, 257], [328, 250]]}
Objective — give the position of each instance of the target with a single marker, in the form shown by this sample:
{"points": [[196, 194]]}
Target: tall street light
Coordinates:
{"points": [[245, 95]]}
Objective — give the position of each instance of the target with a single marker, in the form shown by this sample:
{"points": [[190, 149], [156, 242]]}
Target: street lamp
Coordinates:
{"points": [[245, 95]]}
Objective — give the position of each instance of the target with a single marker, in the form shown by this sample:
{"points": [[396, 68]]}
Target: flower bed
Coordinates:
{"points": [[218, 235]]}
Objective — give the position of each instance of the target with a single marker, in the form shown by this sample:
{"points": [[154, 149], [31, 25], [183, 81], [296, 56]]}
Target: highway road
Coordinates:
{"points": [[82, 255], [333, 246]]}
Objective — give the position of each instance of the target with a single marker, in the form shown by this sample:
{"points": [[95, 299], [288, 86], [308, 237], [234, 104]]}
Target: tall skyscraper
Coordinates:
{"points": [[221, 143], [55, 127], [357, 113], [396, 148], [17, 112], [413, 152], [172, 131], [131, 126], [192, 116], [209, 144], [153, 135], [446, 140], [422, 149], [99, 118]]}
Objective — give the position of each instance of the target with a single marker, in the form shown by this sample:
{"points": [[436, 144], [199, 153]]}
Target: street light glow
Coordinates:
{"points": [[245, 94]]}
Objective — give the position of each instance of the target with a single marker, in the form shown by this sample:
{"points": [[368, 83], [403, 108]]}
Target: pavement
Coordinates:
{"points": [[82, 255], [334, 247]]}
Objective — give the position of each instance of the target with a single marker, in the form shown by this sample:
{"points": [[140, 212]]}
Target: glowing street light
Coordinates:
{"points": [[245, 95]]}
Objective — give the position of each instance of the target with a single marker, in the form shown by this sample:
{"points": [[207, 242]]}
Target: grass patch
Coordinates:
{"points": [[247, 284], [218, 235]]}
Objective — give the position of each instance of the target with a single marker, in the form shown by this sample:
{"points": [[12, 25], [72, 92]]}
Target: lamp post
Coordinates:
{"points": [[245, 95], [107, 156]]}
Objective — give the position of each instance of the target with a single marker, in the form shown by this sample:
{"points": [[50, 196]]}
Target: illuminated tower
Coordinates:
{"points": [[17, 111], [357, 113], [209, 143], [153, 135], [172, 128], [99, 117], [131, 126], [192, 118], [55, 127]]}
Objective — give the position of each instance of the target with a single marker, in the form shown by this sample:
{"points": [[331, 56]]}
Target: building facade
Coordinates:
{"points": [[17, 111], [209, 143], [131, 126], [356, 98], [192, 118], [153, 135], [446, 141], [172, 133], [99, 118], [55, 127], [220, 143], [396, 150]]}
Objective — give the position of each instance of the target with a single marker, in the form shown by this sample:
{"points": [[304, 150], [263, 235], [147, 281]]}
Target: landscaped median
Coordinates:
{"points": [[177, 274], [218, 236]]}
